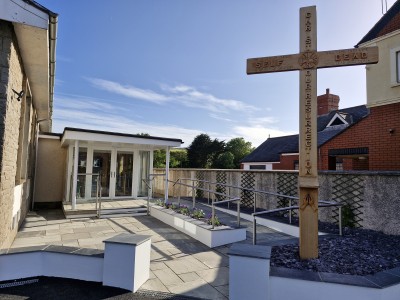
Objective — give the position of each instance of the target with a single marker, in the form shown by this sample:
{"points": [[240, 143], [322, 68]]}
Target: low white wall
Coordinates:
{"points": [[287, 288], [249, 278], [127, 262], [197, 229]]}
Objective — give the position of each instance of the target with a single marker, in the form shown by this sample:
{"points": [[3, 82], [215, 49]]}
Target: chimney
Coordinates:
{"points": [[327, 103]]}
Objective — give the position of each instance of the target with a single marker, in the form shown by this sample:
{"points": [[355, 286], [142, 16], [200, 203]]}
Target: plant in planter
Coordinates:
{"points": [[217, 222], [198, 214]]}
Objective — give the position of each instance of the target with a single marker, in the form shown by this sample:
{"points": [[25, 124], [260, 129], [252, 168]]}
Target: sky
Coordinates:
{"points": [[177, 68]]}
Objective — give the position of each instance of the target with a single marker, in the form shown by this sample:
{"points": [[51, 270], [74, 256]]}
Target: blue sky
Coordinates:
{"points": [[177, 68]]}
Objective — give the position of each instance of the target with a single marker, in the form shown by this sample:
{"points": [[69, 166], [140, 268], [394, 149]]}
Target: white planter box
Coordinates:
{"points": [[197, 229]]}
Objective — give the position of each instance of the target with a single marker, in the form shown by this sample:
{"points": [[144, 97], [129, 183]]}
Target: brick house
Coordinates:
{"points": [[368, 141], [27, 65]]}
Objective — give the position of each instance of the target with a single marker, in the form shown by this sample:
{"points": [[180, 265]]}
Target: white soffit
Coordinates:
{"points": [[34, 48], [69, 137], [31, 28], [19, 11]]}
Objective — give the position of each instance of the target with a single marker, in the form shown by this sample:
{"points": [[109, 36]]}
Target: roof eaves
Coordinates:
{"points": [[120, 134], [372, 34]]}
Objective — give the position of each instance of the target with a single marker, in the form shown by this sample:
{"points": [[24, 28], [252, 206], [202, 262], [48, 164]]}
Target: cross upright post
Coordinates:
{"points": [[308, 61]]}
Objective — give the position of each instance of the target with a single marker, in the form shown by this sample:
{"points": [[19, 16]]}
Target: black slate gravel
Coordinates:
{"points": [[357, 252]]}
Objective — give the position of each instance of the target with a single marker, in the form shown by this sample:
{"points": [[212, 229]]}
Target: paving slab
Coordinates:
{"points": [[179, 264], [197, 288], [192, 276], [216, 276], [168, 277], [185, 265]]}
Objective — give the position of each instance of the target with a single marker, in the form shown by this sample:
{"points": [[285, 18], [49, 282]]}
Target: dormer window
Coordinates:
{"points": [[338, 119]]}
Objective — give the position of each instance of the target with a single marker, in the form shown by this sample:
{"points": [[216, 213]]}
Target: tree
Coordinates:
{"points": [[203, 151], [224, 161], [239, 148], [177, 158]]}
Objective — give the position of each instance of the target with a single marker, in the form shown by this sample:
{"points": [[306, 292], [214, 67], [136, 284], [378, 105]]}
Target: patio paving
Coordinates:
{"points": [[179, 264]]}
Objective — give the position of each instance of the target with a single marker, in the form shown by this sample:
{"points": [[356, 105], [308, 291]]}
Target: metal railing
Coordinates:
{"points": [[322, 203], [97, 179], [213, 202], [290, 208], [148, 183]]}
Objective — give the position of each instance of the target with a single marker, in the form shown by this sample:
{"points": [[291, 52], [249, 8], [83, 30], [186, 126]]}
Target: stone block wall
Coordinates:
{"points": [[12, 77], [370, 200]]}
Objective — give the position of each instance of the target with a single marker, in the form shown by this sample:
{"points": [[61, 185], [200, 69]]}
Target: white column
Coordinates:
{"points": [[166, 173], [127, 261], [249, 272], [75, 174]]}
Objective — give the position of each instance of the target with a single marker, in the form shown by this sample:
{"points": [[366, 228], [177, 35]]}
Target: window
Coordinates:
{"points": [[395, 66], [398, 66], [257, 167]]}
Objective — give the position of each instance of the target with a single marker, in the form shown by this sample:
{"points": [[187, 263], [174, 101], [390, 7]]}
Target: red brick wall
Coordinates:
{"points": [[372, 132], [286, 162]]}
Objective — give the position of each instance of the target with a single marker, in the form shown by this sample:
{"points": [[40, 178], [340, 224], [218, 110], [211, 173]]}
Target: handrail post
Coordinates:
{"points": [[208, 197], [340, 220], [97, 197], [148, 196], [179, 191], [290, 211], [193, 195], [100, 191], [229, 194], [212, 215], [238, 213], [255, 201], [254, 230]]}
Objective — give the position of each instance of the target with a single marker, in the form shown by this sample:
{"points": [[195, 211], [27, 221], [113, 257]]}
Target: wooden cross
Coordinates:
{"points": [[308, 61]]}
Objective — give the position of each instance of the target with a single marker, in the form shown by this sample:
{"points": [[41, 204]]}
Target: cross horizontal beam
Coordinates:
{"points": [[313, 60]]}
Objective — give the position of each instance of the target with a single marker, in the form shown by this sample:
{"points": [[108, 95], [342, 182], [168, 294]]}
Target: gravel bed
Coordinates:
{"points": [[357, 252]]}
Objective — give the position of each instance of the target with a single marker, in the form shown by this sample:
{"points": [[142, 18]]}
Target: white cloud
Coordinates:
{"points": [[258, 134], [128, 91], [262, 121], [190, 96], [217, 117], [181, 94]]}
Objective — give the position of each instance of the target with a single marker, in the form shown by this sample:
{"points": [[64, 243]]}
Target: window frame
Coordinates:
{"points": [[395, 66]]}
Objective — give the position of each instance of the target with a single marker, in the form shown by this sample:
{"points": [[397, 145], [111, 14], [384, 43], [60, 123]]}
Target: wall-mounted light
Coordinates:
{"points": [[391, 130], [19, 95]]}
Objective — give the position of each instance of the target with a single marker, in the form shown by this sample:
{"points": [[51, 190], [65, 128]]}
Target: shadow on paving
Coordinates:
{"points": [[60, 289]]}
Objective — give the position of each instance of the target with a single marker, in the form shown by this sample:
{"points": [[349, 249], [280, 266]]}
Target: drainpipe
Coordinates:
{"points": [[166, 173]]}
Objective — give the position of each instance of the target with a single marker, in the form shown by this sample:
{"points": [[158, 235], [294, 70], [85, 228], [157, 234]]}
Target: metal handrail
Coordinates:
{"points": [[98, 191], [290, 208], [225, 201], [213, 202], [322, 203]]}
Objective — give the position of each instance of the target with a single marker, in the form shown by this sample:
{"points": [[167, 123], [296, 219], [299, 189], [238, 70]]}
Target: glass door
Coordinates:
{"points": [[124, 172], [102, 163], [144, 171], [81, 178]]}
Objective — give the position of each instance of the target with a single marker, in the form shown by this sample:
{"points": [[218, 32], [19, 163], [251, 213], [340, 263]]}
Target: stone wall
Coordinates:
{"points": [[12, 77], [370, 199]]}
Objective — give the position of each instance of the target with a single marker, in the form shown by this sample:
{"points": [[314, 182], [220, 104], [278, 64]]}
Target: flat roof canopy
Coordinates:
{"points": [[70, 135]]}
